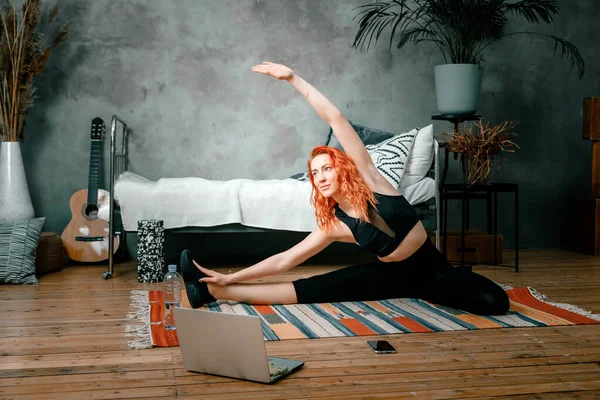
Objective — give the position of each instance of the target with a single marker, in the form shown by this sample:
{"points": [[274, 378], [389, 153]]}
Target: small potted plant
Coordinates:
{"points": [[461, 29], [482, 148]]}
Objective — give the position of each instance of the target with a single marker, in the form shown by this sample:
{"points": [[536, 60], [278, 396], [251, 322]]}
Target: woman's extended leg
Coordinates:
{"points": [[425, 275], [255, 293], [371, 281], [251, 293]]}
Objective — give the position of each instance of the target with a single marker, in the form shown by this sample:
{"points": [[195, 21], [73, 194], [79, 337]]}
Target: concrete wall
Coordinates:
{"points": [[178, 72]]}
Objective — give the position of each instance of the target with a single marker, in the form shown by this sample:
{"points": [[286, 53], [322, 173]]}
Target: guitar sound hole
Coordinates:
{"points": [[91, 211]]}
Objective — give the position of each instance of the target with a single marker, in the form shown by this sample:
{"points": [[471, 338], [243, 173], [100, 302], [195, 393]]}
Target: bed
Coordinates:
{"points": [[409, 160]]}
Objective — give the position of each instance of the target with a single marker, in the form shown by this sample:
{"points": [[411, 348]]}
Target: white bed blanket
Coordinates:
{"points": [[281, 204]]}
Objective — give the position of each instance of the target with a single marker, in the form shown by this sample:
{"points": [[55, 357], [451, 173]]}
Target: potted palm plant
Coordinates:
{"points": [[23, 54], [462, 30]]}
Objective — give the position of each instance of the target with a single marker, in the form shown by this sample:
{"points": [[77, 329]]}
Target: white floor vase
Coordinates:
{"points": [[15, 201]]}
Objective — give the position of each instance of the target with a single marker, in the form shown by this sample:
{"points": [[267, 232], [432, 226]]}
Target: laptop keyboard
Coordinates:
{"points": [[276, 371]]}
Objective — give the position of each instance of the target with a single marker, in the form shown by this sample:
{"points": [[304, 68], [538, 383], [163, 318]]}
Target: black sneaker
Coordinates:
{"points": [[188, 269], [192, 289]]}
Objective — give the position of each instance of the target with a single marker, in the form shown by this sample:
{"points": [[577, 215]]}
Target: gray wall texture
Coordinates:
{"points": [[178, 72]]}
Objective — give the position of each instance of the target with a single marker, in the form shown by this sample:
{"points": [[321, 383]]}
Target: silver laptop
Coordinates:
{"points": [[229, 345]]}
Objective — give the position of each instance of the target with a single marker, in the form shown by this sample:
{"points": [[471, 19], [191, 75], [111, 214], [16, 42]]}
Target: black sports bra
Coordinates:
{"points": [[397, 213]]}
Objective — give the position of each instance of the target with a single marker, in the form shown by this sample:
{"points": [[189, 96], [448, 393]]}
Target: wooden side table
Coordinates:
{"points": [[464, 193]]}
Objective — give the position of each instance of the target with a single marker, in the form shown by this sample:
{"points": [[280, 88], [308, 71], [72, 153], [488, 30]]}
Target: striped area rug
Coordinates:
{"points": [[360, 318]]}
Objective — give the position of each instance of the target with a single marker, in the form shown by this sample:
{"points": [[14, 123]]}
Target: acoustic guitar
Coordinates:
{"points": [[86, 237]]}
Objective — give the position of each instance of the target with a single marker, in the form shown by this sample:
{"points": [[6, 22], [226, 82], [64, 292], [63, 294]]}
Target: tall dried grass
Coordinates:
{"points": [[482, 148], [23, 55]]}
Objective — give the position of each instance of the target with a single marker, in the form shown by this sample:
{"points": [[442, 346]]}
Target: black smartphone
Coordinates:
{"points": [[381, 346]]}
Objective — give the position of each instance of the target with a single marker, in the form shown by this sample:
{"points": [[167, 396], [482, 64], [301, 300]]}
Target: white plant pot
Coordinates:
{"points": [[457, 88], [15, 202]]}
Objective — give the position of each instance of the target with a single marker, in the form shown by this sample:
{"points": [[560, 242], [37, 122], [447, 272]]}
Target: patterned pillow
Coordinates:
{"points": [[421, 158], [366, 134], [387, 150], [18, 247], [390, 155]]}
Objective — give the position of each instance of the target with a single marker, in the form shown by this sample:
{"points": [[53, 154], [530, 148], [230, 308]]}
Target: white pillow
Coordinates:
{"points": [[420, 191], [420, 159], [390, 155]]}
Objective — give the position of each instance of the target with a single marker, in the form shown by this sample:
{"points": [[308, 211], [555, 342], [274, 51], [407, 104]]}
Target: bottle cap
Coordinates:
{"points": [[172, 268]]}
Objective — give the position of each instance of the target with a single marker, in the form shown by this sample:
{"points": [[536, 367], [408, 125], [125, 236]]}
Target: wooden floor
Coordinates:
{"points": [[65, 339]]}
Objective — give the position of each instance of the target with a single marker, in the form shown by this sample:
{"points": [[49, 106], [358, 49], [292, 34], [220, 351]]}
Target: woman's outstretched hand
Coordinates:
{"points": [[275, 70], [212, 276]]}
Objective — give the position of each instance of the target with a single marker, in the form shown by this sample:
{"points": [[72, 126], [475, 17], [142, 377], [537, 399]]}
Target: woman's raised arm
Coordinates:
{"points": [[342, 129]]}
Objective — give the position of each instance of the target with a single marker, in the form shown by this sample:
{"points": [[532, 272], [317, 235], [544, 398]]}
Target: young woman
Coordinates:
{"points": [[353, 203]]}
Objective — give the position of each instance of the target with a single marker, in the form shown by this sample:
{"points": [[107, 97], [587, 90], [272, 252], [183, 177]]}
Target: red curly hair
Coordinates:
{"points": [[351, 183]]}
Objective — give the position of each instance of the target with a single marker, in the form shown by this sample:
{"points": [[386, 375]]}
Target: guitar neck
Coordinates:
{"points": [[94, 172]]}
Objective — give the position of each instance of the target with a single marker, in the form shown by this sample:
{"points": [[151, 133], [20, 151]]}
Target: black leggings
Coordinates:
{"points": [[425, 275]]}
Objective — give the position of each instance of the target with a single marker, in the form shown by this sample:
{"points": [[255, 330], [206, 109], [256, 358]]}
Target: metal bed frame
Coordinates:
{"points": [[118, 165], [120, 159]]}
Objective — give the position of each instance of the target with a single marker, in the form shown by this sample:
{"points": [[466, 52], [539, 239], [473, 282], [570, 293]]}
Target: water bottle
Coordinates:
{"points": [[171, 295]]}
